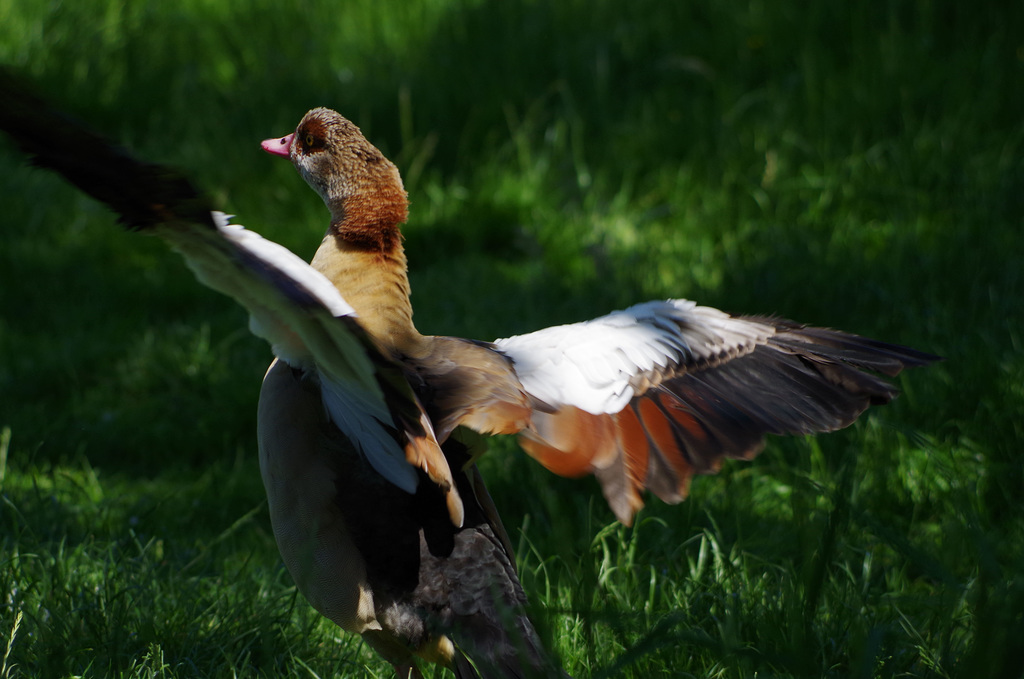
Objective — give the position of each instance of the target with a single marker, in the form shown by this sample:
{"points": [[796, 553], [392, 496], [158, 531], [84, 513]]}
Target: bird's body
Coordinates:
{"points": [[384, 563], [378, 510], [394, 566]]}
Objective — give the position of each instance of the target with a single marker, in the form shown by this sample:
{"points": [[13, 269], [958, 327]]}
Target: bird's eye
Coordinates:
{"points": [[308, 140]]}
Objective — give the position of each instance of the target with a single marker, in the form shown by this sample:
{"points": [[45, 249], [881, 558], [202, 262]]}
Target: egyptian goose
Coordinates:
{"points": [[379, 513], [644, 398]]}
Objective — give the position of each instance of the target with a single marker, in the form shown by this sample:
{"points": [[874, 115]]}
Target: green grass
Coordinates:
{"points": [[854, 165]]}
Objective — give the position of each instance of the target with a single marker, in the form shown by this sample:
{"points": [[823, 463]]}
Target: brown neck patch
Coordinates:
{"points": [[371, 221]]}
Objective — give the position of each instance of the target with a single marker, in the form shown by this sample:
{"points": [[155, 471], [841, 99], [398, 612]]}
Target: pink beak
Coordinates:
{"points": [[279, 147]]}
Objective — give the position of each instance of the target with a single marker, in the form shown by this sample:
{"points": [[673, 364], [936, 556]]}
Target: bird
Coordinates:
{"points": [[368, 431], [644, 398]]}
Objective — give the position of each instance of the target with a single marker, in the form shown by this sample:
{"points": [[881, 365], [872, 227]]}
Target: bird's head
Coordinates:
{"points": [[362, 188]]}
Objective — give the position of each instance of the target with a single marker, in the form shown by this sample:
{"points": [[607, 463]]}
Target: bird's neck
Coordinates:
{"points": [[372, 276]]}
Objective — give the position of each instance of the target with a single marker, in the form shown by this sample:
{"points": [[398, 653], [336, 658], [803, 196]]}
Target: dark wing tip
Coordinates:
{"points": [[802, 380], [861, 352], [142, 194]]}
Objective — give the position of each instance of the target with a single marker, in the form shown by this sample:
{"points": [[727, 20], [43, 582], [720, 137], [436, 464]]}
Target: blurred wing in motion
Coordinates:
{"points": [[292, 306]]}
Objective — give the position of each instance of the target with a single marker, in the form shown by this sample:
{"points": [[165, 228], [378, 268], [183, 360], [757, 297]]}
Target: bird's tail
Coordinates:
{"points": [[495, 637], [519, 654]]}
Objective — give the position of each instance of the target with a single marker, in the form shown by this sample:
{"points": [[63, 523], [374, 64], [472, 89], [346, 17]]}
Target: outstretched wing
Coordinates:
{"points": [[294, 307], [650, 396]]}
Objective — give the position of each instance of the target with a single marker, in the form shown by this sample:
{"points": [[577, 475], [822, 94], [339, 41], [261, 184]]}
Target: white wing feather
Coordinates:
{"points": [[297, 310], [595, 364]]}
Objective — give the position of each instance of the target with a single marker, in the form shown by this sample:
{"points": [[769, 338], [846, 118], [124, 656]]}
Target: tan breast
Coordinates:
{"points": [[377, 286]]}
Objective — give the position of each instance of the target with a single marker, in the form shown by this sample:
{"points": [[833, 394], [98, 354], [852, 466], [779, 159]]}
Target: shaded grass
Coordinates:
{"points": [[854, 166]]}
